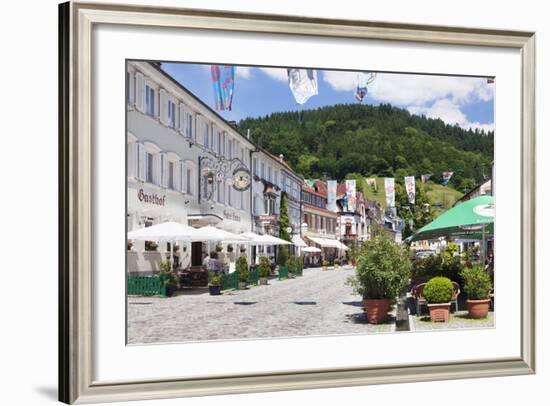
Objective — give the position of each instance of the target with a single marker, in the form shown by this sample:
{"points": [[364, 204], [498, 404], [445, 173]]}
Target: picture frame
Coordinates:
{"points": [[76, 215]]}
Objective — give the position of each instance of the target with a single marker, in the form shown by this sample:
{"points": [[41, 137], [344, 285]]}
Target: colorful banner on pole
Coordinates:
{"points": [[331, 195], [223, 80], [424, 178], [364, 79], [446, 177], [351, 195], [389, 188], [372, 183], [411, 189], [303, 84]]}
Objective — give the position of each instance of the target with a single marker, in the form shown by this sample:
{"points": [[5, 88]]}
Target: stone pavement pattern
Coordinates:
{"points": [[317, 303]]}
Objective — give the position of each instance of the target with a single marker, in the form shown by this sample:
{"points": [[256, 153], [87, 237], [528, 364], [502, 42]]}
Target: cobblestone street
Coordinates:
{"points": [[318, 303]]}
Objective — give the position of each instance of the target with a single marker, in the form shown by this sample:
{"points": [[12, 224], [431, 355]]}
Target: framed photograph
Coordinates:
{"points": [[262, 202]]}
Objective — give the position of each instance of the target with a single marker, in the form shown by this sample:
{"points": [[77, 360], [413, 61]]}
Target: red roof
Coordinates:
{"points": [[341, 189], [312, 207], [311, 190]]}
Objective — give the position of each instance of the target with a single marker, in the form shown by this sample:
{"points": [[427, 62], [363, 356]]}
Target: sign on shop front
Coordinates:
{"points": [[231, 215], [151, 198]]}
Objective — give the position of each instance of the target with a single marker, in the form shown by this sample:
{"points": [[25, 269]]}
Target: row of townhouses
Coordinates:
{"points": [[186, 163]]}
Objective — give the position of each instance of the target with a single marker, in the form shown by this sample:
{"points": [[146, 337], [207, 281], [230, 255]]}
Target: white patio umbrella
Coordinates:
{"points": [[216, 234], [169, 231], [311, 249], [297, 241]]}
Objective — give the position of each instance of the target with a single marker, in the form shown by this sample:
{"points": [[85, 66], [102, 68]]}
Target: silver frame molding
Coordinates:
{"points": [[76, 21]]}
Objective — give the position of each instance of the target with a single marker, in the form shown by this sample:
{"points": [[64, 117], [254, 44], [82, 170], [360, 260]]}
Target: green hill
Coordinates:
{"points": [[381, 141], [440, 197]]}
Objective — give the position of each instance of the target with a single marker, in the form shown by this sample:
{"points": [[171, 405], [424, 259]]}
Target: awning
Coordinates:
{"points": [[297, 241], [328, 243]]}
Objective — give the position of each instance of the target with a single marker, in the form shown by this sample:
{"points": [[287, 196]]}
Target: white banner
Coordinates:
{"points": [[351, 195], [303, 84], [410, 187], [389, 188], [331, 195]]}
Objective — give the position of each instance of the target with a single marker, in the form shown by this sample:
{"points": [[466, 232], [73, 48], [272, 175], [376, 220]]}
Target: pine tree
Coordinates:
{"points": [[284, 219]]}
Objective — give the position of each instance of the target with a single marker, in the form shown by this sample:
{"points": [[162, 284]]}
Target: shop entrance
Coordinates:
{"points": [[196, 253]]}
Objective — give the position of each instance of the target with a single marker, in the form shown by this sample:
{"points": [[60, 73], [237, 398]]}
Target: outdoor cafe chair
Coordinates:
{"points": [[456, 292], [417, 292]]}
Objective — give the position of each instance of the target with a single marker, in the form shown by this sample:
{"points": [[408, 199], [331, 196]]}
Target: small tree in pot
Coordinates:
{"points": [[439, 292], [214, 283], [168, 277], [477, 284], [382, 272], [242, 271], [264, 269]]}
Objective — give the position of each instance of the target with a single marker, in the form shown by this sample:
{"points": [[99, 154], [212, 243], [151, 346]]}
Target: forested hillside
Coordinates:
{"points": [[373, 140]]}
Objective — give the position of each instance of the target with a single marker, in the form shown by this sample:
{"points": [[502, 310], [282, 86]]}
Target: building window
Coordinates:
{"points": [[188, 181], [171, 114], [269, 205], [255, 166], [171, 173], [219, 142], [150, 100], [189, 125], [270, 174], [229, 197], [205, 137], [149, 167], [276, 179], [262, 170]]}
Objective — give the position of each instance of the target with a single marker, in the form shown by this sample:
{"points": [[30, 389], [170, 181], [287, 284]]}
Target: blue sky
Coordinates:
{"points": [[467, 102]]}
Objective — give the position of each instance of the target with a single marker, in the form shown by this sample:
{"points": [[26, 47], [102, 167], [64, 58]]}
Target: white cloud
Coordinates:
{"points": [[404, 90], [341, 81], [421, 89], [450, 113], [243, 72], [279, 74]]}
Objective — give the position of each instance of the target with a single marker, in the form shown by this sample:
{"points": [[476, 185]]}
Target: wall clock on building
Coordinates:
{"points": [[241, 179]]}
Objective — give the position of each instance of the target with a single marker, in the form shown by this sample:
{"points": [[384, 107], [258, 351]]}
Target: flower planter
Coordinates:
{"points": [[263, 281], [170, 290], [215, 290], [478, 309], [377, 310], [242, 285], [439, 311]]}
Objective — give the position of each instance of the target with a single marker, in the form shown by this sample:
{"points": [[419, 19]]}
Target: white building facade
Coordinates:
{"points": [[181, 161]]}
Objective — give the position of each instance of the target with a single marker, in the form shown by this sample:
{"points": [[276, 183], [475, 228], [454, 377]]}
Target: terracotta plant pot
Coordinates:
{"points": [[439, 311], [377, 310], [478, 309], [263, 281], [242, 285]]}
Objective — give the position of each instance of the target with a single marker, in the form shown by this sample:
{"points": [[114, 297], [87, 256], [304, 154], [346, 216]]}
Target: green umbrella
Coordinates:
{"points": [[472, 219]]}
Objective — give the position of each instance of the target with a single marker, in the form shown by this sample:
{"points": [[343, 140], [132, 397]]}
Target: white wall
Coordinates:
{"points": [[28, 341]]}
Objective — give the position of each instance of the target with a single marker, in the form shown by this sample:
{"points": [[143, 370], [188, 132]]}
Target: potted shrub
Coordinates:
{"points": [[242, 271], [168, 277], [214, 284], [151, 246], [336, 263], [229, 248], [382, 272], [477, 284], [438, 293], [325, 265], [242, 249], [219, 248], [264, 269]]}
